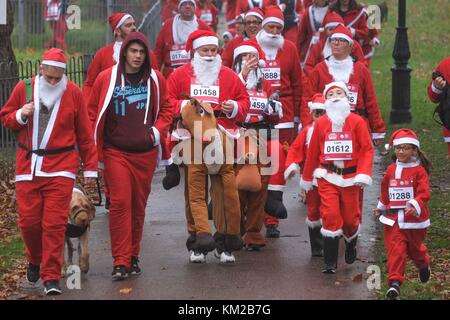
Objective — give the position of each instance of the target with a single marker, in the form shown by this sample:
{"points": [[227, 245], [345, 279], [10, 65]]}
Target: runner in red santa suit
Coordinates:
{"points": [[169, 10], [284, 73], [171, 42], [340, 157], [322, 49], [228, 97], [309, 27], [295, 160], [252, 23], [340, 67], [53, 134], [439, 83], [131, 124], [208, 13], [264, 113]]}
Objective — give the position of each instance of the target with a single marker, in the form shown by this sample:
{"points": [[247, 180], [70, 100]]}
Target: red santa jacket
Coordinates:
{"points": [[209, 14], [104, 59], [230, 88], [164, 44], [228, 52], [230, 13], [291, 86], [354, 19], [366, 98], [316, 55], [361, 155], [306, 31], [298, 150], [433, 92], [169, 10], [68, 125], [418, 179]]}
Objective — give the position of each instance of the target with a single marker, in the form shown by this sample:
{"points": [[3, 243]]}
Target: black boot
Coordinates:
{"points": [[172, 178], [274, 204], [210, 211], [330, 254], [316, 240], [350, 250], [204, 242]]}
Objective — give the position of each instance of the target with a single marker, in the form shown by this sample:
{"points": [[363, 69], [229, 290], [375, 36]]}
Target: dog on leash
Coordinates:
{"points": [[81, 213]]}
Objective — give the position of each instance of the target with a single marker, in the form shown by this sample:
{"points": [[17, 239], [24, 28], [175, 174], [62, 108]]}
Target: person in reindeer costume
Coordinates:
{"points": [[340, 156], [265, 112], [207, 81], [295, 160]]}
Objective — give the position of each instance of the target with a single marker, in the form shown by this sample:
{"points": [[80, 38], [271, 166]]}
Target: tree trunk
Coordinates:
{"points": [[6, 49]]}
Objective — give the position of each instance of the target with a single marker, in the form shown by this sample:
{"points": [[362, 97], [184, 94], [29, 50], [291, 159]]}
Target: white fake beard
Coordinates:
{"points": [[340, 70], [116, 51], [270, 43], [183, 29], [252, 80], [206, 72], [337, 111], [49, 94]]}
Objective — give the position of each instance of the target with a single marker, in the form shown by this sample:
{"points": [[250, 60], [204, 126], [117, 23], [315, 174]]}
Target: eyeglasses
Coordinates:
{"points": [[403, 148], [255, 23], [318, 112], [338, 41]]}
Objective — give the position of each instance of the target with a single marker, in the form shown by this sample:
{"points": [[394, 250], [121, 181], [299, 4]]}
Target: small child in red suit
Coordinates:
{"points": [[402, 208]]}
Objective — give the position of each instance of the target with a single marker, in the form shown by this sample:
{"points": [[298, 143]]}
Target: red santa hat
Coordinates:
{"points": [[273, 14], [255, 12], [200, 38], [54, 57], [117, 19], [317, 102], [402, 136], [342, 32], [250, 46], [332, 19], [333, 85], [184, 1]]}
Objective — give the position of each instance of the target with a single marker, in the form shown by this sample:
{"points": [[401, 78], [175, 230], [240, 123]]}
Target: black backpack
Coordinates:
{"points": [[443, 108]]}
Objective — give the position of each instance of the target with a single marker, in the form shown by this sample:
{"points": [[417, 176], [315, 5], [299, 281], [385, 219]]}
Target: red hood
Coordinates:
{"points": [[141, 38]]}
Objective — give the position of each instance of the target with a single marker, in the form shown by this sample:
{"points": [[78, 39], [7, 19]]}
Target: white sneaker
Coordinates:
{"points": [[197, 257], [227, 257]]}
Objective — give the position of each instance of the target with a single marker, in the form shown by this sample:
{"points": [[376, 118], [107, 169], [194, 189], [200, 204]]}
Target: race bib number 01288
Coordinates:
{"points": [[400, 192]]}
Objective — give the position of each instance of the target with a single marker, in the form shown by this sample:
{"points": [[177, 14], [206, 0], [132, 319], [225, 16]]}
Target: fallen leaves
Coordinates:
{"points": [[126, 290]]}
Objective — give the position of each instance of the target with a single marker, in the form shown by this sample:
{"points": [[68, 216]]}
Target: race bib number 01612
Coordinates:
{"points": [[338, 146]]}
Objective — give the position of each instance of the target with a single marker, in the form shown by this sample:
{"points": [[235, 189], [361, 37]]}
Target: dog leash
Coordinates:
{"points": [[100, 199]]}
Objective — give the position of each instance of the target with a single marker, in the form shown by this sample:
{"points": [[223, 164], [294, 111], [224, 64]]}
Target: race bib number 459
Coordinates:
{"points": [[400, 192]]}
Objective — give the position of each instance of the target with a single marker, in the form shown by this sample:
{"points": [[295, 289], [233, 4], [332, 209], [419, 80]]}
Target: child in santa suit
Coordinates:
{"points": [[340, 156], [402, 208], [295, 160], [208, 13]]}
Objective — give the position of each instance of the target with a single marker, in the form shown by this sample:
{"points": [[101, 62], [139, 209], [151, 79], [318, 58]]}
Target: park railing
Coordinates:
{"points": [[83, 26]]}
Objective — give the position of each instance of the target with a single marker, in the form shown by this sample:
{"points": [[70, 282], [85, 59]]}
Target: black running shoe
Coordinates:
{"points": [[424, 274], [119, 273], [393, 292], [135, 270], [33, 273], [52, 288]]}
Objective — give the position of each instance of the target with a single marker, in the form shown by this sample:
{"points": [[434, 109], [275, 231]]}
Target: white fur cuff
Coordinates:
{"points": [[235, 110], [381, 206], [363, 179], [19, 118], [415, 204], [293, 167], [331, 234], [306, 185]]}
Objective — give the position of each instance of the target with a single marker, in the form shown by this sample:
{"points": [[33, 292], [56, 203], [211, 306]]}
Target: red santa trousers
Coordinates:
{"points": [[277, 181], [59, 29], [339, 209], [401, 244], [129, 177], [43, 213], [313, 205]]}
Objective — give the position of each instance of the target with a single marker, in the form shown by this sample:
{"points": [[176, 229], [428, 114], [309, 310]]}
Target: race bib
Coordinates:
{"points": [[258, 101], [353, 95], [400, 192], [338, 146], [206, 16], [205, 93], [53, 11], [272, 72], [178, 55]]}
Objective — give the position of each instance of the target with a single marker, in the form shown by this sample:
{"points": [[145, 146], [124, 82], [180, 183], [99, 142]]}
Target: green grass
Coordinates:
{"points": [[429, 41], [11, 254]]}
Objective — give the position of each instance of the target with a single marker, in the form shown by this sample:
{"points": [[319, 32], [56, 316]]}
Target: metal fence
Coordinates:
{"points": [[83, 25]]}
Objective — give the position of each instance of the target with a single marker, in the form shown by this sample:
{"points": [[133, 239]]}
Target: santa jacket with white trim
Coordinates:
{"points": [[367, 99], [68, 125], [103, 89], [420, 181], [164, 44], [444, 68], [362, 155], [228, 51], [292, 89], [297, 151], [354, 19], [104, 59], [230, 88]]}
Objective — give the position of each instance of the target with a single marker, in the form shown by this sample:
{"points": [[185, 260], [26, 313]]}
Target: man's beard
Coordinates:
{"points": [[49, 94], [270, 43], [341, 70], [337, 111], [206, 69]]}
